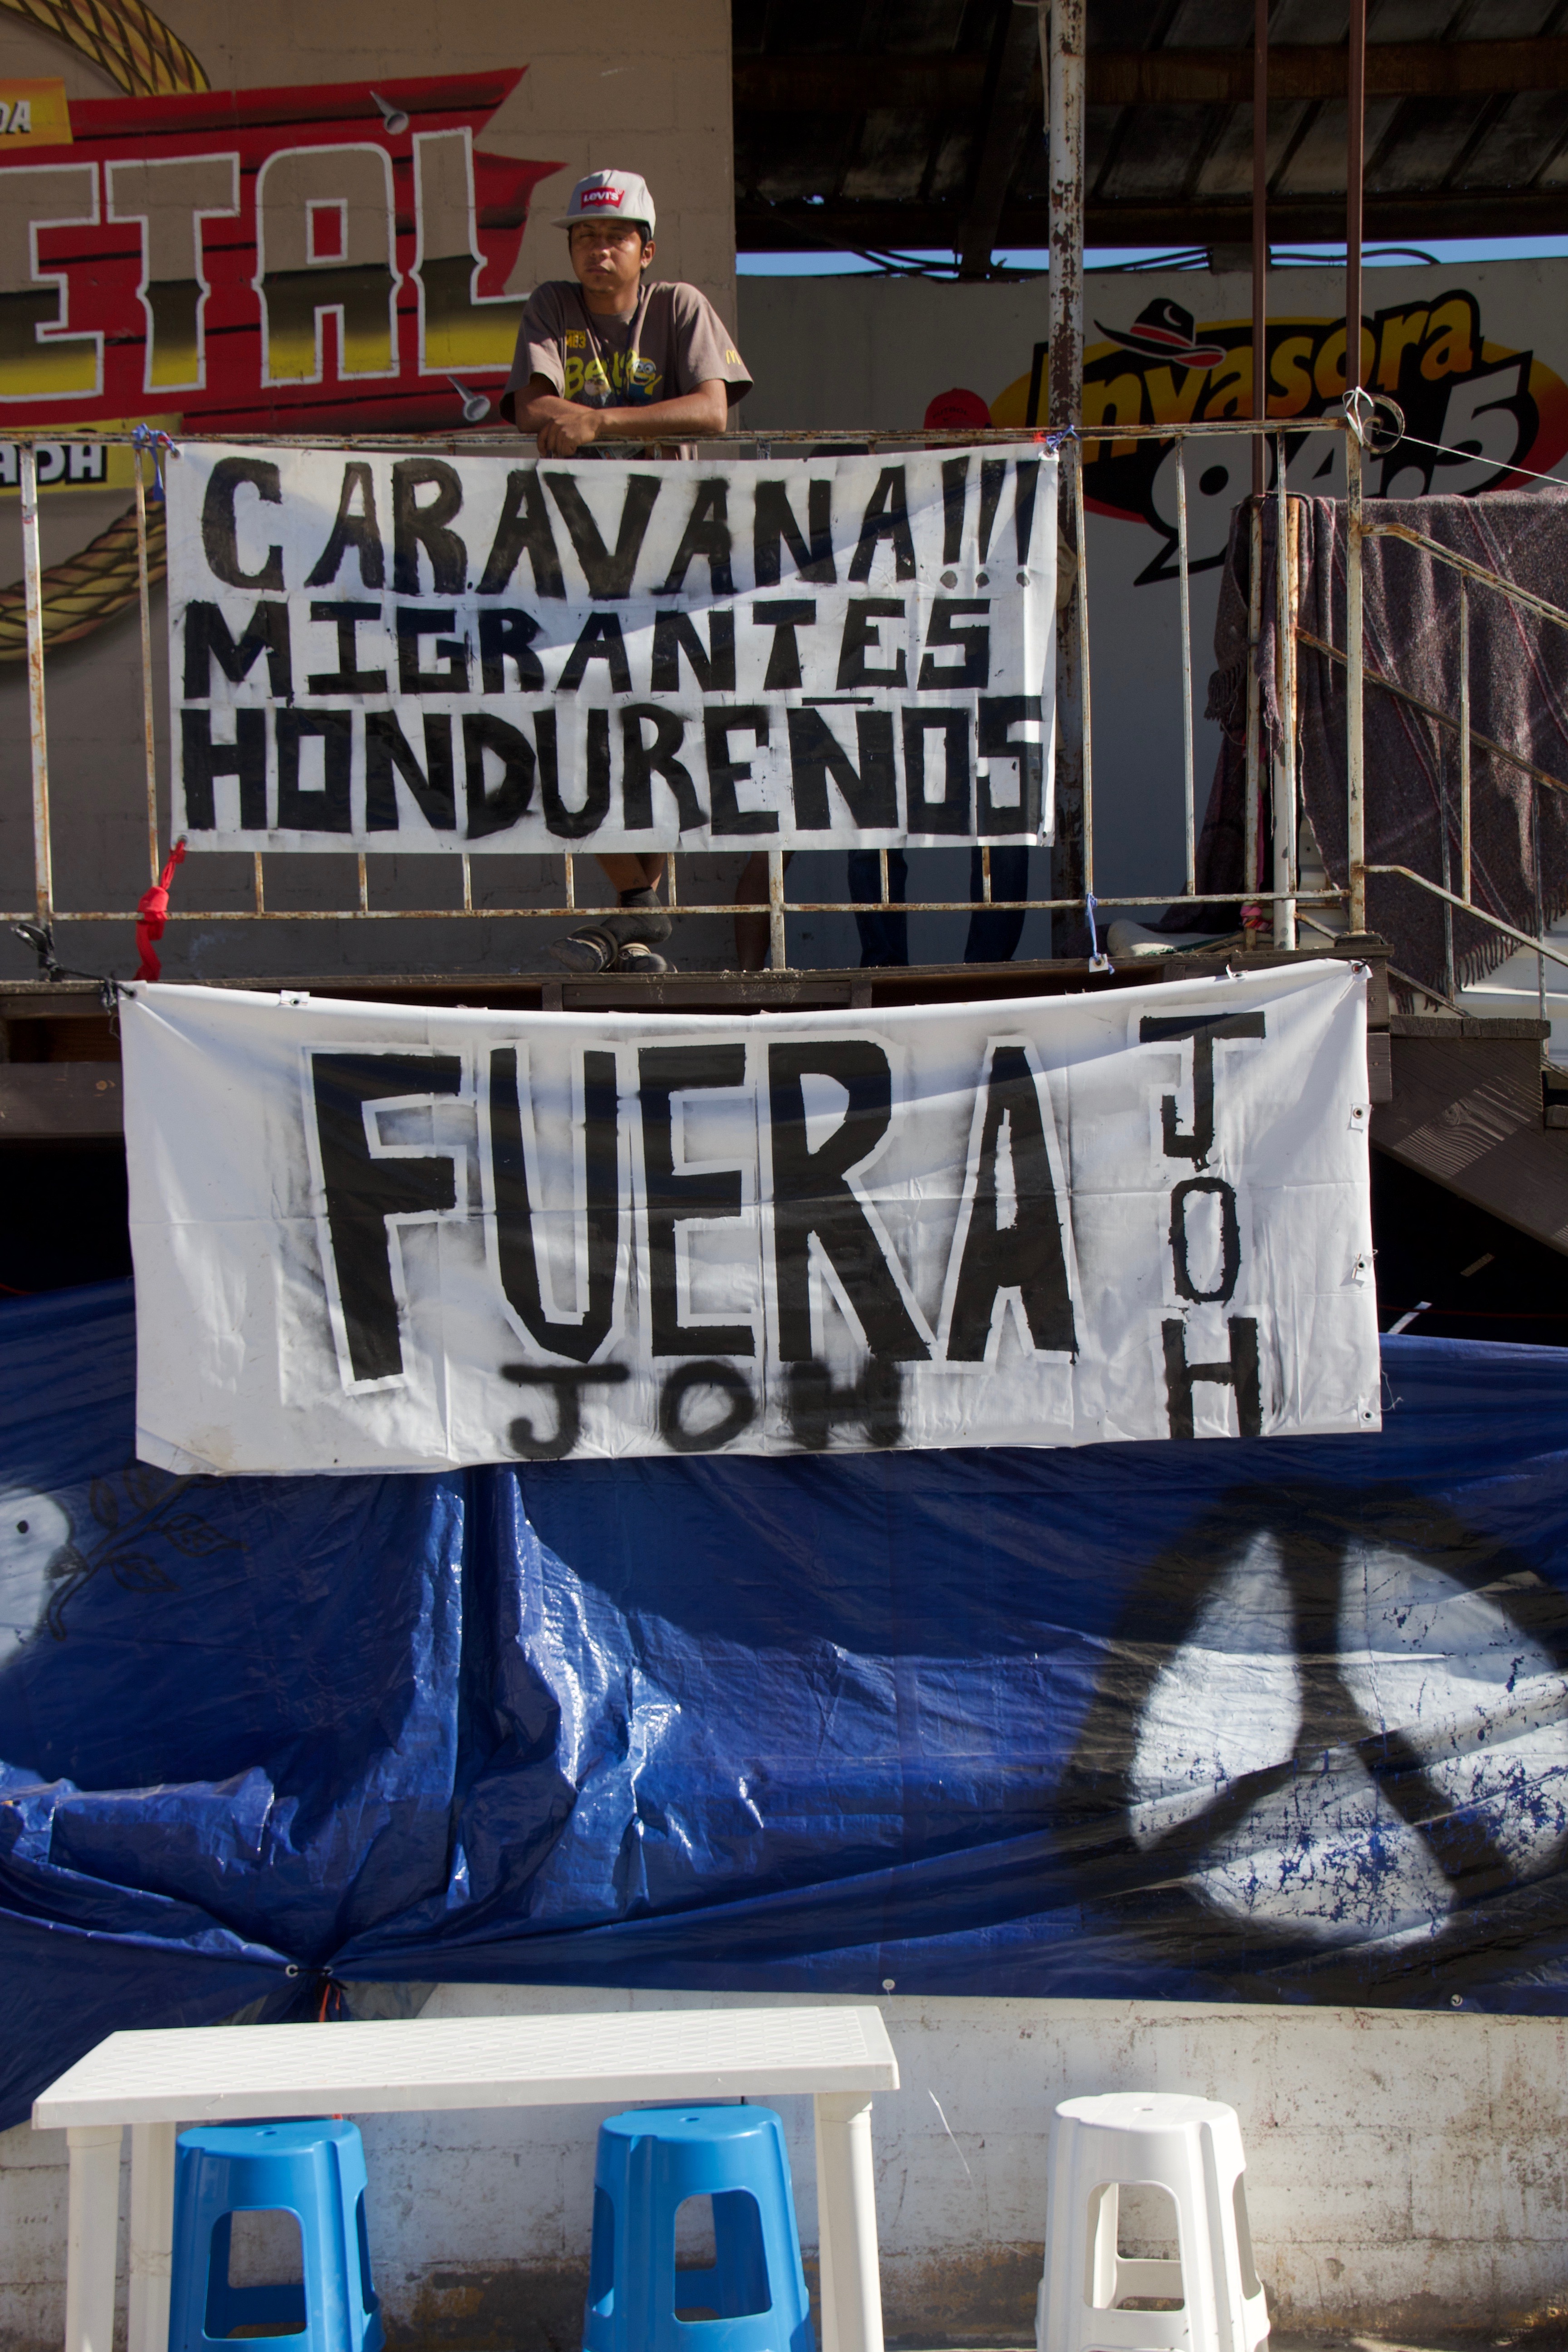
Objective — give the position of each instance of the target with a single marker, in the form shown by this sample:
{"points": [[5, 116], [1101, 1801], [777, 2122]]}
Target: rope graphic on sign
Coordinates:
{"points": [[137, 51], [124, 39], [88, 588]]}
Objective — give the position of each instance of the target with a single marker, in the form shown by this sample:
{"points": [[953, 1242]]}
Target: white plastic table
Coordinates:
{"points": [[156, 2082]]}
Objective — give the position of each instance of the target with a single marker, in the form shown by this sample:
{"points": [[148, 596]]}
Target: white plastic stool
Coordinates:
{"points": [[1190, 2147]]}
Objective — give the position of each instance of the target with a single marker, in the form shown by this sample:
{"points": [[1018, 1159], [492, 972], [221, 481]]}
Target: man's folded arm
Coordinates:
{"points": [[562, 426]]}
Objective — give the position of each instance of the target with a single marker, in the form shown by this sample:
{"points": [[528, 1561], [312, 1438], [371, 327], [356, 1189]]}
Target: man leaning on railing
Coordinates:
{"points": [[610, 354]]}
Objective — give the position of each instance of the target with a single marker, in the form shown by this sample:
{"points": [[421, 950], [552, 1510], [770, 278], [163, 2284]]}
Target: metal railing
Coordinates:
{"points": [[1076, 449], [1468, 572]]}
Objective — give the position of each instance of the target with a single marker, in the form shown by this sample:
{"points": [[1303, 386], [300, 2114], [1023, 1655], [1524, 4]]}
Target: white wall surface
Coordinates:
{"points": [[1406, 2171], [871, 351]]}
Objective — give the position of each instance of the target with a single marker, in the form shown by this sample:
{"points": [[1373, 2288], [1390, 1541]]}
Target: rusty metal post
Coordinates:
{"points": [[1062, 56], [149, 732], [1259, 237], [1286, 573], [1355, 169], [1064, 102], [778, 960], [1254, 696], [1086, 734], [1355, 796], [1464, 739], [1188, 780], [33, 596]]}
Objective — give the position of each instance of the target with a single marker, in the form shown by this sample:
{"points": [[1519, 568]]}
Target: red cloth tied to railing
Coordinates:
{"points": [[152, 908]]}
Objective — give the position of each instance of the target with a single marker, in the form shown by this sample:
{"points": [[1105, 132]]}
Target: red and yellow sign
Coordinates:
{"points": [[323, 257], [33, 114]]}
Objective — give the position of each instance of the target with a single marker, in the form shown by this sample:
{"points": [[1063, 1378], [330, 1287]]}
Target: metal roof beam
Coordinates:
{"points": [[1444, 213], [1012, 105], [849, 84], [1394, 69]]}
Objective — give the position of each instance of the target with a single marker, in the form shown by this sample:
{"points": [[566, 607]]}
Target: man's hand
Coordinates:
{"points": [[563, 427]]}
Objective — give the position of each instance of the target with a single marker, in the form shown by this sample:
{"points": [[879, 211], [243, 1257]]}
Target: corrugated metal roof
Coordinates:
{"points": [[865, 124]]}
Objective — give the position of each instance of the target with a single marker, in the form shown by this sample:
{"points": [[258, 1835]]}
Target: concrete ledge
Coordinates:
{"points": [[44, 1100], [1407, 2173]]}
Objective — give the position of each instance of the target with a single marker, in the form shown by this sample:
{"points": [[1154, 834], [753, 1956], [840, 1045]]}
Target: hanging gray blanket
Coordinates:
{"points": [[1518, 701]]}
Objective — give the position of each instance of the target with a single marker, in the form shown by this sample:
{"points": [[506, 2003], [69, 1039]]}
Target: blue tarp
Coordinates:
{"points": [[1285, 1720]]}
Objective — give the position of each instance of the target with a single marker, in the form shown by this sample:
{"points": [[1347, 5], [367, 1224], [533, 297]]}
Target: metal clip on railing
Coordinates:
{"points": [[153, 438], [1097, 961]]}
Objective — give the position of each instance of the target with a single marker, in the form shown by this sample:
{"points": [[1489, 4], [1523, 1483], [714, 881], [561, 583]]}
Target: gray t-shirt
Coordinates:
{"points": [[673, 341]]}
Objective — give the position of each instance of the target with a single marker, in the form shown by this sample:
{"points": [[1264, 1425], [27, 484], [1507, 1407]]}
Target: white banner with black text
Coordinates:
{"points": [[471, 653], [378, 1236]]}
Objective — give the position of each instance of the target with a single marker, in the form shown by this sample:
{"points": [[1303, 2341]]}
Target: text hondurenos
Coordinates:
{"points": [[541, 510]]}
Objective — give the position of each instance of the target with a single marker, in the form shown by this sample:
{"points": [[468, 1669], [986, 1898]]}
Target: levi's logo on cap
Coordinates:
{"points": [[625, 193]]}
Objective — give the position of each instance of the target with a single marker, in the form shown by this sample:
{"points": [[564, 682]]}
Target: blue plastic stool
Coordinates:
{"points": [[314, 2170], [649, 2163]]}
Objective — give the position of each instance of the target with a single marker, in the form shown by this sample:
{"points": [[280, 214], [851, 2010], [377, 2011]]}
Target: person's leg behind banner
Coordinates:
{"points": [[884, 938], [625, 939], [752, 932], [995, 931]]}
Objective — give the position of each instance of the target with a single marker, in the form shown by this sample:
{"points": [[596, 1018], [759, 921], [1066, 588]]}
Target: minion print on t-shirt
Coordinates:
{"points": [[596, 379]]}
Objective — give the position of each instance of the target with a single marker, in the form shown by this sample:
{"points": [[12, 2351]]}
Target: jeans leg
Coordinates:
{"points": [[884, 938], [995, 931]]}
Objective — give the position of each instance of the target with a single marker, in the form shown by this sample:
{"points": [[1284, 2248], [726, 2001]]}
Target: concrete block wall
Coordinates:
{"points": [[1406, 2173]]}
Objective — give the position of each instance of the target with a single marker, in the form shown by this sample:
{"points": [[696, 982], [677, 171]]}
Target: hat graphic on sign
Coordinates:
{"points": [[619, 196], [1164, 331]]}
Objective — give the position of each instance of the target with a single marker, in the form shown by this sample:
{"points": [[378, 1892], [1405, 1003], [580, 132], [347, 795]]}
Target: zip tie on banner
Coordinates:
{"points": [[151, 908], [150, 436], [1097, 963], [1052, 441]]}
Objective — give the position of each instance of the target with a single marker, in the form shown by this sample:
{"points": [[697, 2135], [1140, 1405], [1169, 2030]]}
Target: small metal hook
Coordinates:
{"points": [[476, 405], [393, 117]]}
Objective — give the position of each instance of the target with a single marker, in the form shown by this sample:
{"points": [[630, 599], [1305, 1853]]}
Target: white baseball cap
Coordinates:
{"points": [[621, 196]]}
